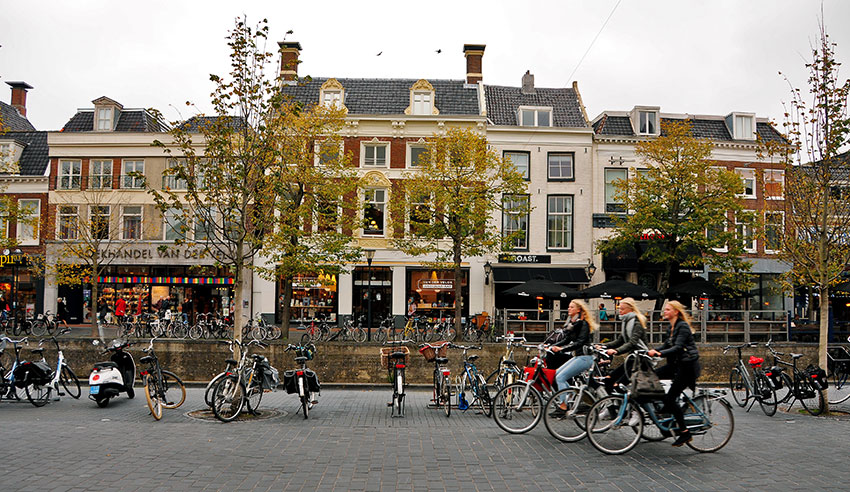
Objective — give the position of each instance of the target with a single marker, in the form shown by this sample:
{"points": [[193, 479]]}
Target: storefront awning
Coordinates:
{"points": [[524, 274]]}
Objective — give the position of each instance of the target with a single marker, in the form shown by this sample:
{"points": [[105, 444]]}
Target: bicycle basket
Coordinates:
{"points": [[430, 353], [307, 351], [755, 361], [385, 355]]}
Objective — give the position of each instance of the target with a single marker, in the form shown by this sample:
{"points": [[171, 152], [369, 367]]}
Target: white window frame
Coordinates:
{"points": [[535, 112], [132, 182], [572, 166], [654, 122], [332, 98], [773, 173], [104, 119], [511, 218], [108, 215], [414, 145], [33, 214], [374, 145], [68, 221], [768, 224], [725, 247], [414, 204], [381, 205], [423, 103], [172, 182], [69, 180], [568, 232], [743, 126], [125, 216], [4, 224], [744, 230], [317, 225], [170, 218], [6, 154], [320, 145], [747, 174], [616, 207], [201, 234], [103, 180], [508, 154]]}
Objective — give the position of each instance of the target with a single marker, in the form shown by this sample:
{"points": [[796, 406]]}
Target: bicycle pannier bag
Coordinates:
{"points": [[271, 377], [775, 375], [644, 381], [312, 381], [817, 376], [32, 373], [290, 384]]}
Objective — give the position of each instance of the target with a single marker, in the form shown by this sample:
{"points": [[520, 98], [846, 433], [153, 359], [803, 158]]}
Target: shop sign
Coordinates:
{"points": [[525, 258], [17, 260], [153, 252], [437, 284]]}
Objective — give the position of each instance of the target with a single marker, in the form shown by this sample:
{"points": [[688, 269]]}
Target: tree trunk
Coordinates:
{"points": [[237, 309], [94, 297], [457, 289], [824, 337], [286, 308]]}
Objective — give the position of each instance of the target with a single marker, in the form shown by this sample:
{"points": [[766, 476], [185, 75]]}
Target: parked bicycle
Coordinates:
{"points": [[803, 386], [317, 331], [442, 387], [838, 364], [394, 360], [518, 407], [43, 324], [303, 381], [472, 382], [8, 388], [615, 423], [241, 385], [350, 331], [757, 386], [163, 389], [507, 372], [385, 330], [40, 388]]}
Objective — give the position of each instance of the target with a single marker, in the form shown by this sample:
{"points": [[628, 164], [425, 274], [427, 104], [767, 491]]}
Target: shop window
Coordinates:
{"points": [[313, 296], [431, 292]]}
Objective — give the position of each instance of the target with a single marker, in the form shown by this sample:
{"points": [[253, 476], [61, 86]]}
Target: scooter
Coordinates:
{"points": [[108, 379]]}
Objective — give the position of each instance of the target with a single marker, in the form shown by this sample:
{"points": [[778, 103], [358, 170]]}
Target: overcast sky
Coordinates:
{"points": [[698, 57]]}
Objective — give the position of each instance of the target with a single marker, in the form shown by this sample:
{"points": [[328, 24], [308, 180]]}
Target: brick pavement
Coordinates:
{"points": [[351, 443]]}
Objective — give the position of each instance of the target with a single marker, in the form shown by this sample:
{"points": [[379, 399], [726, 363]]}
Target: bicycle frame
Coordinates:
{"points": [[9, 376]]}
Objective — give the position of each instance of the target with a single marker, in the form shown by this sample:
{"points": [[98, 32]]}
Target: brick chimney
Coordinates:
{"points": [[289, 52], [528, 83], [19, 96], [473, 53]]}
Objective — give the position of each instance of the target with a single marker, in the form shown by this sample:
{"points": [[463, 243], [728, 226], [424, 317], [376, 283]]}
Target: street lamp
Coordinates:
{"points": [[488, 268], [370, 254], [590, 269]]}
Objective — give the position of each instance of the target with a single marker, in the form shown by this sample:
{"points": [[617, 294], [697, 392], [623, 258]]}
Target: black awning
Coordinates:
{"points": [[524, 274]]}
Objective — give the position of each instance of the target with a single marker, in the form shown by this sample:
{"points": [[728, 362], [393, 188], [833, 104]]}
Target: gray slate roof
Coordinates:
{"points": [[391, 96], [34, 158], [702, 128], [129, 120], [12, 121], [503, 102], [195, 123]]}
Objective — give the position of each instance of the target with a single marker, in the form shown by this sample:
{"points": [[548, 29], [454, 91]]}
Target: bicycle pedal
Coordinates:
{"points": [[61, 394]]}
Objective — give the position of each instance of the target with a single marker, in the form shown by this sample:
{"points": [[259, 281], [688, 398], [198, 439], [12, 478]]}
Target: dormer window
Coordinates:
{"points": [[741, 126], [422, 99], [106, 113], [10, 153], [534, 116], [647, 122], [332, 94], [104, 119]]}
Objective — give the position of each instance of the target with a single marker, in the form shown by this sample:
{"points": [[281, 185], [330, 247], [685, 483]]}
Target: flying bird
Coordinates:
{"points": [[379, 53], [439, 51]]}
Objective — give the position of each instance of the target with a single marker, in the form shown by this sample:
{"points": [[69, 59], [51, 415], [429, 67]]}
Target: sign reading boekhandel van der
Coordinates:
{"points": [[438, 284], [525, 259]]}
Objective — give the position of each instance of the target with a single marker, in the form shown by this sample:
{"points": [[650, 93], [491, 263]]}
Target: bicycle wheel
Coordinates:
{"points": [[70, 382], [380, 335], [568, 425], [612, 427], [359, 335], [449, 334], [38, 328], [254, 396], [485, 400], [228, 398], [766, 395], [258, 333], [208, 392], [737, 386], [173, 390], [717, 432], [180, 330], [152, 396], [810, 397], [38, 394], [517, 408], [446, 396], [783, 394]]}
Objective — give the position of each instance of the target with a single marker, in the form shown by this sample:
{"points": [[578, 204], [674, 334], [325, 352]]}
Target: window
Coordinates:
{"points": [[560, 166], [174, 224], [744, 233], [743, 127], [520, 162], [170, 181], [101, 174], [559, 222], [748, 177], [29, 211], [515, 220], [375, 155], [529, 116], [420, 212], [774, 183], [327, 153], [774, 228], [134, 174], [100, 218], [104, 119], [68, 221], [332, 98], [132, 222], [422, 103], [417, 153], [613, 203], [375, 203], [4, 223], [6, 153], [647, 122], [328, 213], [204, 224], [69, 175]]}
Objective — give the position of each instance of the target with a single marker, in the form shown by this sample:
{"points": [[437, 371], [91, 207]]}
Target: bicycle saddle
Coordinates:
{"points": [[300, 359], [472, 358], [231, 362], [442, 360], [146, 359], [257, 357], [398, 355], [37, 350], [796, 356], [509, 362]]}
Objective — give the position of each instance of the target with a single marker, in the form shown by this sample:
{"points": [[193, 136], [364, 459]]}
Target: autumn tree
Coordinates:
{"points": [[817, 195], [446, 206], [687, 205]]}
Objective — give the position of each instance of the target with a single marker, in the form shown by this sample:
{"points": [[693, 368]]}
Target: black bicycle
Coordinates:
{"points": [[757, 387], [436, 353], [302, 381], [803, 387], [394, 360], [163, 389]]}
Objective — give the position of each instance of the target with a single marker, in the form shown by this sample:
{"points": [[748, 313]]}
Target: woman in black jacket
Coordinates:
{"points": [[682, 367], [579, 327], [632, 337]]}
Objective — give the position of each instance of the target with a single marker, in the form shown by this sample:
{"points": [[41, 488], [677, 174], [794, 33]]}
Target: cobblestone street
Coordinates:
{"points": [[350, 442]]}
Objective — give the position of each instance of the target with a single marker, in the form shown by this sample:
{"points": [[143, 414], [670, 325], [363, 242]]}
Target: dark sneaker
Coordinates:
{"points": [[559, 412], [683, 439]]}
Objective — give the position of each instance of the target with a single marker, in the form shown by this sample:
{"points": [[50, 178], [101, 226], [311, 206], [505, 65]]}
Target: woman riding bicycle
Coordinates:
{"points": [[579, 327], [682, 367], [632, 336]]}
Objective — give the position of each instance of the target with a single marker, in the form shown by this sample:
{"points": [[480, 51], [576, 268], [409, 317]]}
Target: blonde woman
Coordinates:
{"points": [[632, 337], [682, 367], [580, 325]]}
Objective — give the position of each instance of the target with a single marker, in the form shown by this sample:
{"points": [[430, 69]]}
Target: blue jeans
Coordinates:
{"points": [[571, 369]]}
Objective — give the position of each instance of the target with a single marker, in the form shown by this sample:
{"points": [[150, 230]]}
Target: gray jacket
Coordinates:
{"points": [[631, 337]]}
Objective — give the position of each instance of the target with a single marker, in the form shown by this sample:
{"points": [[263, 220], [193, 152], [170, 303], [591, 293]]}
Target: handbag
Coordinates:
{"points": [[643, 380]]}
